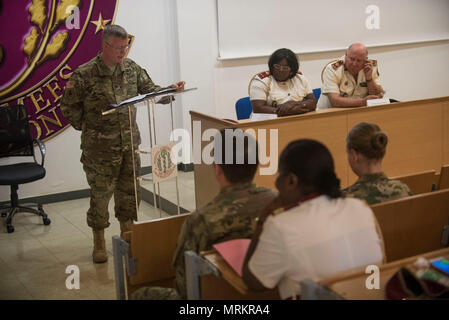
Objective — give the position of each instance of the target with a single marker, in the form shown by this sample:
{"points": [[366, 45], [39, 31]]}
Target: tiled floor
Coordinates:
{"points": [[34, 259], [186, 187]]}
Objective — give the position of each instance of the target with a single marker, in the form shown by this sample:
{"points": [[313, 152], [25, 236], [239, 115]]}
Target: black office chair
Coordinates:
{"points": [[16, 141]]}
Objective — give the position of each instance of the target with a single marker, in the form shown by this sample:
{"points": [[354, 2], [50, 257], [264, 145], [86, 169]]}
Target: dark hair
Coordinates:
{"points": [[288, 55], [367, 139], [113, 30], [237, 155], [313, 165]]}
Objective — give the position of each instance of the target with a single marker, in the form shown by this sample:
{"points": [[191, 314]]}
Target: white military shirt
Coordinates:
{"points": [[265, 87], [336, 79], [315, 240]]}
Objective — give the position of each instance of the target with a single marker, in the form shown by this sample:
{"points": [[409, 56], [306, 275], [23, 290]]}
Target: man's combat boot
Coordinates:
{"points": [[125, 226], [99, 255]]}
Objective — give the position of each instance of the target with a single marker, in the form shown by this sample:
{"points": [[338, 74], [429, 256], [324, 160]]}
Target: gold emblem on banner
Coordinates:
{"points": [[44, 42]]}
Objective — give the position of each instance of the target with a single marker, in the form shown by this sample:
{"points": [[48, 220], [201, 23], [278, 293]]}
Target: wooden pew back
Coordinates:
{"points": [[418, 183], [351, 285], [210, 283], [152, 244], [444, 178], [413, 225], [231, 285]]}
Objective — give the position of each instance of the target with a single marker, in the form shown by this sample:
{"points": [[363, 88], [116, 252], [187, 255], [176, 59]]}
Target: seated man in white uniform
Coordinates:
{"points": [[350, 81], [283, 90]]}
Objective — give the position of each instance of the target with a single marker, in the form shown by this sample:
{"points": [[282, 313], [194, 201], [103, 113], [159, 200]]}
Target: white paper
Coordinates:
{"points": [[263, 116], [377, 102], [136, 98]]}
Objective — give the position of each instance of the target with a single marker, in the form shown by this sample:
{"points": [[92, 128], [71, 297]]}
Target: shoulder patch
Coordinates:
{"points": [[337, 64], [264, 74], [299, 72]]}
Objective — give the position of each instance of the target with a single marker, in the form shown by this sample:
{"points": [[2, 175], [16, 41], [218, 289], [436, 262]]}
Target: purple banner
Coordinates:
{"points": [[41, 43]]}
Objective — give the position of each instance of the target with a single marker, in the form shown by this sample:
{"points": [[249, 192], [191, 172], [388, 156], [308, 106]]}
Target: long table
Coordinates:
{"points": [[418, 133]]}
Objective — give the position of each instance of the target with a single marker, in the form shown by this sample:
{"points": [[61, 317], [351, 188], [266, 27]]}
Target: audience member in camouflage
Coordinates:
{"points": [[230, 215], [107, 158], [376, 187], [366, 146]]}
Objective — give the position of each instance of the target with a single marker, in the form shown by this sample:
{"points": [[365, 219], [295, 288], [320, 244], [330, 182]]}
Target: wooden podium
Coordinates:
{"points": [[418, 138]]}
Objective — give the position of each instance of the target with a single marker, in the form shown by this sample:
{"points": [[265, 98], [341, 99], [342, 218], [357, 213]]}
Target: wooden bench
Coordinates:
{"points": [[210, 277], [351, 284], [144, 256], [443, 181], [410, 226], [413, 225], [418, 183]]}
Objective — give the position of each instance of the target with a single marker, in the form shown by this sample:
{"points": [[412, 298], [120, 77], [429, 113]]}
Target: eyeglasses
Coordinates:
{"points": [[124, 48], [278, 67]]}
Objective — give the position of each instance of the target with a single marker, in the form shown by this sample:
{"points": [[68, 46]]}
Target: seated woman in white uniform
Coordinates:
{"points": [[316, 233], [284, 89]]}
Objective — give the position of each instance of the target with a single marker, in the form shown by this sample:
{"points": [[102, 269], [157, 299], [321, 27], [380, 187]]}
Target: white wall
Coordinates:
{"points": [[408, 72], [177, 39], [298, 25], [198, 50]]}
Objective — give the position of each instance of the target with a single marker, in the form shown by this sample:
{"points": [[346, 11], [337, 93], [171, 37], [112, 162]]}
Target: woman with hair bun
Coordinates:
{"points": [[315, 232], [366, 145]]}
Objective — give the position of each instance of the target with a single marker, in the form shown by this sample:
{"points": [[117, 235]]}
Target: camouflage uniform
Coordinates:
{"points": [[375, 188], [230, 215], [106, 140]]}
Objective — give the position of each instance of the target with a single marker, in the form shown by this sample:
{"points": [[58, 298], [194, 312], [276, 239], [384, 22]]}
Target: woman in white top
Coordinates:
{"points": [[316, 233], [283, 90]]}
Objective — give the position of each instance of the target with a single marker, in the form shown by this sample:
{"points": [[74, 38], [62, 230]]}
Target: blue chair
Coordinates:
{"points": [[317, 93], [243, 108]]}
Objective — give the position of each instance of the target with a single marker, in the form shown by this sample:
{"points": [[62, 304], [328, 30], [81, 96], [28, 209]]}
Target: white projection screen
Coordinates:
{"points": [[252, 28]]}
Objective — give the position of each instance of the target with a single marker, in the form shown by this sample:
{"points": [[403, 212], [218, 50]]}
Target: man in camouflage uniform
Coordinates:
{"points": [[376, 187], [232, 214], [107, 158]]}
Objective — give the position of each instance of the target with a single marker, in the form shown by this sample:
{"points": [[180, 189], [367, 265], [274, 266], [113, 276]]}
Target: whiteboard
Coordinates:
{"points": [[252, 28]]}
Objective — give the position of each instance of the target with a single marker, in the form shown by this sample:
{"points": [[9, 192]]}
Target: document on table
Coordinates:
{"points": [[263, 116], [377, 102]]}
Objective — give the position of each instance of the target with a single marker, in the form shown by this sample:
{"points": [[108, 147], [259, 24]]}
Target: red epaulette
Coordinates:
{"points": [[263, 74], [337, 64], [299, 72]]}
